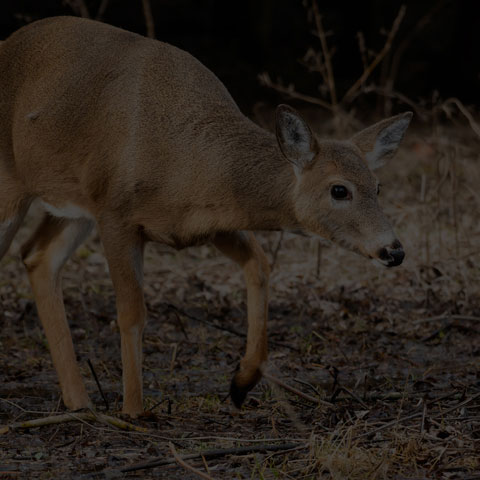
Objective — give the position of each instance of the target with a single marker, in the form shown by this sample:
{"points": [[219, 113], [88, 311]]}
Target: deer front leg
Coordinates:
{"points": [[244, 249], [124, 253]]}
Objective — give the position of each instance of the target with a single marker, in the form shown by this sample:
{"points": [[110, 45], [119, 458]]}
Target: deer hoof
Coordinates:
{"points": [[241, 384]]}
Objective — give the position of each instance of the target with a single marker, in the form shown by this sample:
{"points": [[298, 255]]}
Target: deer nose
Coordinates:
{"points": [[392, 255]]}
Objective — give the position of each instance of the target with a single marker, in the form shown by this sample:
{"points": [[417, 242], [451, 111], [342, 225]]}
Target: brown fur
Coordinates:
{"points": [[148, 143]]}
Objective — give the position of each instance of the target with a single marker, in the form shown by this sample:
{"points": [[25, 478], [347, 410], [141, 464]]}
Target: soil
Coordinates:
{"points": [[391, 357]]}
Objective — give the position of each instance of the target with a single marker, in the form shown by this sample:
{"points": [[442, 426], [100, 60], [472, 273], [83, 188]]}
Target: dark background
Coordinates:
{"points": [[238, 39]]}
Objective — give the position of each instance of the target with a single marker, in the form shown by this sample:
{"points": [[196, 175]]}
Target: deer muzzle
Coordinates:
{"points": [[392, 255]]}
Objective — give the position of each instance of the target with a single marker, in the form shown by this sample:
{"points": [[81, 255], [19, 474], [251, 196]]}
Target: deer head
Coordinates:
{"points": [[335, 192]]}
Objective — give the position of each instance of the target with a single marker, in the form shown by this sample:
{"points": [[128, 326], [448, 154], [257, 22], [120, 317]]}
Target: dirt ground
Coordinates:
{"points": [[386, 362]]}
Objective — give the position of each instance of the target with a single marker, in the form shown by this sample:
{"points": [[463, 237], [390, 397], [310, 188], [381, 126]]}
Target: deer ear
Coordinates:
{"points": [[296, 140], [380, 141]]}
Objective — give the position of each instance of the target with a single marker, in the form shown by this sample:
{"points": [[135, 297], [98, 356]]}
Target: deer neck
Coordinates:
{"points": [[228, 174], [261, 179]]}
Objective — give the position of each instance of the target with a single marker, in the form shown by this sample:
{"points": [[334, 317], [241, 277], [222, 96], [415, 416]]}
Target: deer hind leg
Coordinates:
{"points": [[9, 227], [13, 208], [124, 253], [244, 249], [44, 255]]}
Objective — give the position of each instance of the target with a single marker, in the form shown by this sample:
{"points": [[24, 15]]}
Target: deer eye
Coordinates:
{"points": [[339, 192]]}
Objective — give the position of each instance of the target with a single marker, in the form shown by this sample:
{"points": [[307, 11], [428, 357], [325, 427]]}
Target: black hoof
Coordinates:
{"points": [[238, 394], [239, 390]]}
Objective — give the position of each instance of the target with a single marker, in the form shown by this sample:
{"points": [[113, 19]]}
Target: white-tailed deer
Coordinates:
{"points": [[109, 128]]}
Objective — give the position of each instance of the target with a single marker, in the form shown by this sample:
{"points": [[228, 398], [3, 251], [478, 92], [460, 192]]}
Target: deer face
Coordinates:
{"points": [[335, 193]]}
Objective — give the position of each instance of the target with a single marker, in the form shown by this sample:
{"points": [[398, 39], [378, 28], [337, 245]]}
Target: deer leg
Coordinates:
{"points": [[44, 256], [124, 253], [244, 249], [13, 208], [8, 229]]}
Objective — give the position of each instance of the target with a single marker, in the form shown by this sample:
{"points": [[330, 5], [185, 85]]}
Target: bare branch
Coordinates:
{"points": [[326, 53], [385, 92], [216, 453], [388, 43], [397, 57], [455, 101], [280, 383], [147, 12], [101, 9], [185, 465], [290, 91], [72, 417]]}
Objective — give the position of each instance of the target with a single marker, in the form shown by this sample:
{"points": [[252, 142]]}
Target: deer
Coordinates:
{"points": [[109, 129]]}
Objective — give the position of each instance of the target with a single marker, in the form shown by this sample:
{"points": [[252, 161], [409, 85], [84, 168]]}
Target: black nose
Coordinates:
{"points": [[392, 255]]}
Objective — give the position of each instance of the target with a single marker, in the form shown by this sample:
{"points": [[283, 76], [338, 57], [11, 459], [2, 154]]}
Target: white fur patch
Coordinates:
{"points": [[379, 263], [382, 240], [67, 211], [70, 238]]}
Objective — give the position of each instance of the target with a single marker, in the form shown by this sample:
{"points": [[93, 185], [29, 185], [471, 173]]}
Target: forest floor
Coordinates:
{"points": [[386, 362]]}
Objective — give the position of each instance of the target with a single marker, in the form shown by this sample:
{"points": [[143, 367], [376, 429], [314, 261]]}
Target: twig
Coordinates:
{"points": [[326, 54], [185, 465], [291, 92], [101, 9], [309, 385], [147, 12], [160, 461], [440, 455], [444, 328], [404, 44], [390, 93], [389, 424], [366, 73], [205, 464], [461, 404], [473, 124], [447, 317], [24, 410], [418, 414], [422, 423], [71, 417], [210, 438], [356, 397], [447, 326], [388, 396], [287, 387], [98, 384]]}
